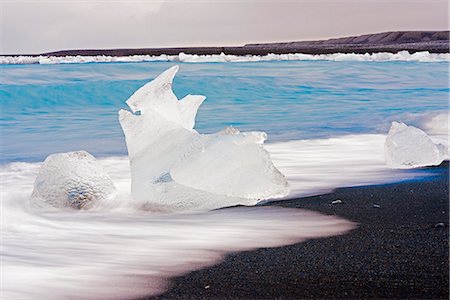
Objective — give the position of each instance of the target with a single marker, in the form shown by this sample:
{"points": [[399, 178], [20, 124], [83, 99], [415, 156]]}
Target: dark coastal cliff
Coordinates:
{"points": [[412, 41]]}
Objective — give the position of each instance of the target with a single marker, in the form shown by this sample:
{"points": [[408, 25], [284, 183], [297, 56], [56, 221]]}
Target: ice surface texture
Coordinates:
{"points": [[73, 179], [173, 167], [409, 147]]}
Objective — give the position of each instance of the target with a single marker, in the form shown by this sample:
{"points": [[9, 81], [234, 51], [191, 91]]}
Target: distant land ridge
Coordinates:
{"points": [[393, 42], [385, 38]]}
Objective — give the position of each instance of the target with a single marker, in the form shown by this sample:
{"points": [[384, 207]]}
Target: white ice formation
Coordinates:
{"points": [[409, 147], [72, 179], [173, 167]]}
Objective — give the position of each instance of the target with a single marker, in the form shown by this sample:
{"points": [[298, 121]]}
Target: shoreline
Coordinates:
{"points": [[423, 56], [399, 250], [390, 42]]}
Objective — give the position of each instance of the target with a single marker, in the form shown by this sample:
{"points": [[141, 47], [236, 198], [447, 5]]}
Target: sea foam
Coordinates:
{"points": [[125, 251], [423, 56], [121, 251]]}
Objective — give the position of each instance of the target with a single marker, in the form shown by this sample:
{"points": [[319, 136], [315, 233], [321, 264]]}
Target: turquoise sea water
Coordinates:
{"points": [[64, 107]]}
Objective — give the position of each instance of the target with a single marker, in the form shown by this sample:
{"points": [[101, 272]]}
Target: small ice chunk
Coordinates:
{"points": [[439, 225], [72, 179], [409, 147], [173, 167]]}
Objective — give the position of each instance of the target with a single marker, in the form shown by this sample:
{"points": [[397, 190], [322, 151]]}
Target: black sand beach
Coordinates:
{"points": [[399, 250]]}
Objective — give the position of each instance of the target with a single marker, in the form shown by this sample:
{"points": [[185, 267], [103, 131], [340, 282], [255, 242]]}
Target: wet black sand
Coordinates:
{"points": [[399, 250]]}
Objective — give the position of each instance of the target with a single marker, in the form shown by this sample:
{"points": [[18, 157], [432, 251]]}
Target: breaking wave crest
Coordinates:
{"points": [[423, 56]]}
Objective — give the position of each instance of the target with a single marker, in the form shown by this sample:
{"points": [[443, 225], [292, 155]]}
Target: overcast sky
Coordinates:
{"points": [[36, 26]]}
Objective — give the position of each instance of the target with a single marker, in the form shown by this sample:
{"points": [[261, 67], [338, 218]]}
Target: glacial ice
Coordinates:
{"points": [[173, 167], [409, 147], [72, 179]]}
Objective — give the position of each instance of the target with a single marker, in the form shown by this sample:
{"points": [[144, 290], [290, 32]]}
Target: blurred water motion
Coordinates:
{"points": [[126, 253]]}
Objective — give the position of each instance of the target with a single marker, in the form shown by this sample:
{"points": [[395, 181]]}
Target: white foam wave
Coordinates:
{"points": [[123, 252], [320, 165], [423, 56], [435, 124]]}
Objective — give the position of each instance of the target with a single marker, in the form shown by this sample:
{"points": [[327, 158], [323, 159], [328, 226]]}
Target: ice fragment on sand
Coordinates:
{"points": [[439, 225], [174, 167], [409, 147], [72, 179]]}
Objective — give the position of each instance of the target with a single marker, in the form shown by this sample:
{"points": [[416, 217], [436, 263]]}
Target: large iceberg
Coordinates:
{"points": [[173, 167], [409, 147], [72, 179]]}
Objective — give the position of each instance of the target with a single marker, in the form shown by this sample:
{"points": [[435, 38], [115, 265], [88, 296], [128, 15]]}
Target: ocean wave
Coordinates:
{"points": [[435, 123], [315, 166], [123, 251], [311, 166], [423, 56]]}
